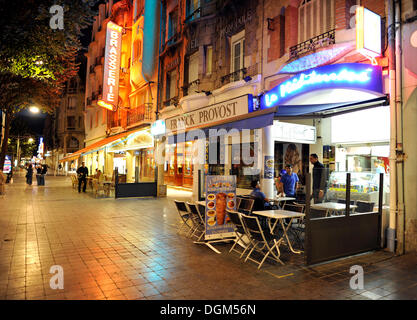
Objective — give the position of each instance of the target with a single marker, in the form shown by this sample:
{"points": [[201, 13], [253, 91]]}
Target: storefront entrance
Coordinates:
{"points": [[178, 168]]}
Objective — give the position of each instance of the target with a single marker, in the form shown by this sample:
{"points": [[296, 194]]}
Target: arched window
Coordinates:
{"points": [[314, 18]]}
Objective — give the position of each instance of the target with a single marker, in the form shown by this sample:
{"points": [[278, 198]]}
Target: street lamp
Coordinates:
{"points": [[34, 109], [30, 140]]}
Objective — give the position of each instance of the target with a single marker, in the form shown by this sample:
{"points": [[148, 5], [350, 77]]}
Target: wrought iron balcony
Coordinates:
{"points": [[188, 88], [139, 114], [194, 15], [172, 101], [234, 76], [320, 41]]}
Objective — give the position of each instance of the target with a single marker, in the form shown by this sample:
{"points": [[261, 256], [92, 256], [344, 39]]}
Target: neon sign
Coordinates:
{"points": [[345, 75], [110, 94], [368, 33]]}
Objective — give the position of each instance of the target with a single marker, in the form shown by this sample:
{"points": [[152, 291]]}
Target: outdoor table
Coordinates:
{"points": [[332, 207], [280, 215], [282, 199]]}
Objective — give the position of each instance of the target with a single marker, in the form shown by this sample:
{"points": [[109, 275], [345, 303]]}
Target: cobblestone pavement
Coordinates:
{"points": [[130, 249]]}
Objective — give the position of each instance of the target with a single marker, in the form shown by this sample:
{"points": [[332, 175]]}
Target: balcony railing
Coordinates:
{"points": [[139, 114], [194, 15], [320, 41], [191, 87], [234, 76], [171, 101]]}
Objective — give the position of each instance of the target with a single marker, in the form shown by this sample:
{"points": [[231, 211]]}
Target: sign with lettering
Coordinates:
{"points": [[359, 76], [110, 94], [210, 114]]}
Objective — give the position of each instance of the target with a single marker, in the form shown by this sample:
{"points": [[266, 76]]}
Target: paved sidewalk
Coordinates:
{"points": [[130, 249]]}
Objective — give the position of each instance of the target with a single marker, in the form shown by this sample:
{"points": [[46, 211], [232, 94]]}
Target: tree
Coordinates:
{"points": [[36, 60]]}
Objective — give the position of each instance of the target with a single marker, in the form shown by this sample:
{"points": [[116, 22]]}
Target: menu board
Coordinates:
{"points": [[220, 194]]}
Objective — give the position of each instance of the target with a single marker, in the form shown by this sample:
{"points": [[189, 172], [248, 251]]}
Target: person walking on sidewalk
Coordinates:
{"points": [[82, 176], [43, 173], [38, 174], [29, 174]]}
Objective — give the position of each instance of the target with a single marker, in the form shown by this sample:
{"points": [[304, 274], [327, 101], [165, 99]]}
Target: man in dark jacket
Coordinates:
{"points": [[319, 178], [82, 176]]}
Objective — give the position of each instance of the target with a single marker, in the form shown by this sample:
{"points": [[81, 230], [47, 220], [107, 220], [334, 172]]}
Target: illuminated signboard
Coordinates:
{"points": [[40, 148], [345, 75], [368, 32], [158, 128], [110, 94]]}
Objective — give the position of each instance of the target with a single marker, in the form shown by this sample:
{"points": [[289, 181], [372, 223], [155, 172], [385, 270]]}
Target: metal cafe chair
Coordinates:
{"points": [[199, 228], [239, 232], [185, 217], [262, 242], [246, 205], [297, 229]]}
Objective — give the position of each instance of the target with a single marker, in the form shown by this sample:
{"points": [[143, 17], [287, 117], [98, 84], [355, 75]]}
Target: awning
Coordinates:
{"points": [[327, 110], [98, 145], [249, 123]]}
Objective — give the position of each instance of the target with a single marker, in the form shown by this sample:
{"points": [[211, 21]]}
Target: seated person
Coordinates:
{"points": [[99, 176], [261, 201]]}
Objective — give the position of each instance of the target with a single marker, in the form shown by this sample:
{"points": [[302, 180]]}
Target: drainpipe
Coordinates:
{"points": [[399, 146], [393, 130]]}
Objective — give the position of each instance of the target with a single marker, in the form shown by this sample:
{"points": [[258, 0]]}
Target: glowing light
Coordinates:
{"points": [[103, 104], [158, 128], [368, 33], [30, 140], [34, 109], [110, 95], [346, 75]]}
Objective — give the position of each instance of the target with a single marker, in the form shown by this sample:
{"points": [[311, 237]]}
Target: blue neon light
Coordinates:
{"points": [[346, 75]]}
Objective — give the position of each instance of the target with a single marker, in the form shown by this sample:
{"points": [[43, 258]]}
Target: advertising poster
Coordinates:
{"points": [[293, 155], [269, 167], [7, 167], [220, 194]]}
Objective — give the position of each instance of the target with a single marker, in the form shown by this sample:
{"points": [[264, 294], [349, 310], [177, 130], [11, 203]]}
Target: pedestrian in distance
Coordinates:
{"points": [[82, 177], [43, 173], [319, 179], [29, 174], [38, 174]]}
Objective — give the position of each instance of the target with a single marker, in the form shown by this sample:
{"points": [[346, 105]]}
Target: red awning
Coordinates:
{"points": [[97, 145]]}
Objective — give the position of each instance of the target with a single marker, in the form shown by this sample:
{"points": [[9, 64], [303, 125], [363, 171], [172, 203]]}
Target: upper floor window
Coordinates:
{"points": [[208, 60], [193, 73], [237, 54], [137, 50], [191, 9], [171, 85], [314, 18], [172, 23], [138, 9], [71, 123]]}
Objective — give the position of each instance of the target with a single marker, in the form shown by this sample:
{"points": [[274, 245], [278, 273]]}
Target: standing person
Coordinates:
{"points": [[44, 171], [38, 174], [29, 174], [289, 182], [319, 178], [82, 176]]}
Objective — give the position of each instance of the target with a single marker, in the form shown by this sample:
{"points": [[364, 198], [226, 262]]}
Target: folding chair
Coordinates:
{"points": [[246, 205], [184, 215], [198, 223], [239, 232], [260, 241], [297, 229]]}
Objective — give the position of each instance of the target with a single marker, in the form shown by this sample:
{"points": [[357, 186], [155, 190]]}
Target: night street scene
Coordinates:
{"points": [[212, 158]]}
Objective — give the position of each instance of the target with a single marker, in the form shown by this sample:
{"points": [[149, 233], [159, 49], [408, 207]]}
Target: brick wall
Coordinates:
{"points": [[277, 38]]}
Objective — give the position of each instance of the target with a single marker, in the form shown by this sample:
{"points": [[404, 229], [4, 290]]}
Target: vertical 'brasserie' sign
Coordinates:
{"points": [[110, 94]]}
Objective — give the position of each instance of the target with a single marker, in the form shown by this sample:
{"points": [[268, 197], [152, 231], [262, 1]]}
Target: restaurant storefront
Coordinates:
{"points": [[346, 103]]}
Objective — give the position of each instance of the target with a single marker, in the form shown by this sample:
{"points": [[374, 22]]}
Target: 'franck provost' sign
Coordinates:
{"points": [[217, 112], [345, 75], [110, 94]]}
